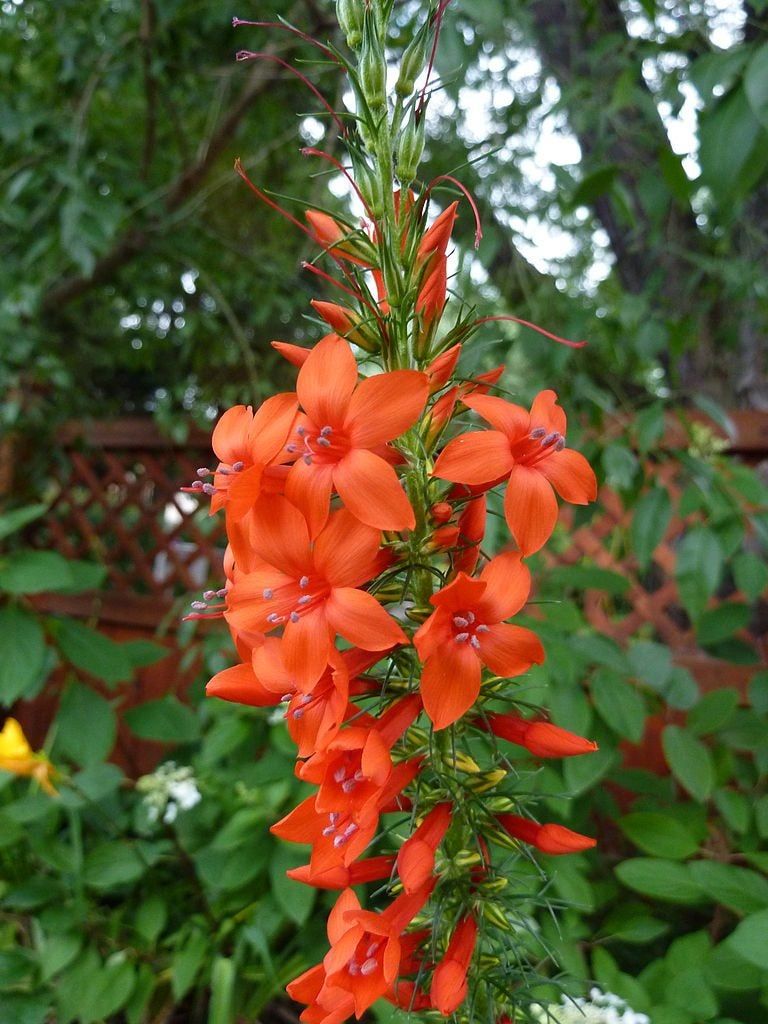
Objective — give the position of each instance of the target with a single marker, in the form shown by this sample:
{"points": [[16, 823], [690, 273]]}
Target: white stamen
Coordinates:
{"points": [[267, 593], [537, 432], [482, 628], [348, 785], [474, 642], [369, 966], [304, 582], [294, 616], [238, 467], [459, 620], [326, 431], [339, 775], [461, 638], [305, 599], [324, 442]]}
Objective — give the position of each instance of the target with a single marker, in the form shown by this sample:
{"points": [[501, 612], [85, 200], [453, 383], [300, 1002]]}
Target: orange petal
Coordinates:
{"points": [[271, 423], [385, 406], [476, 458], [450, 683], [230, 435], [281, 535], [510, 650], [243, 492], [326, 381], [369, 488], [346, 550], [306, 647], [295, 354], [240, 684], [545, 412], [530, 508], [508, 583], [571, 475], [309, 489], [512, 420], [359, 618], [337, 922]]}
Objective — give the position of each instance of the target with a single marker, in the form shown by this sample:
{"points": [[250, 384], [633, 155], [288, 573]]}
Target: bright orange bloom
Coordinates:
{"points": [[342, 242], [443, 409], [246, 443], [529, 449], [449, 982], [416, 858], [354, 768], [18, 758], [552, 839], [341, 877], [542, 739], [346, 422], [310, 590], [337, 839], [467, 630]]}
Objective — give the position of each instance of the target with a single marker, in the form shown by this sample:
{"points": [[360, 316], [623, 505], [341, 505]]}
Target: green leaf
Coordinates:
{"points": [[112, 865], [166, 720], [17, 518], [737, 888], [22, 654], [112, 990], [756, 84], [57, 951], [698, 569], [86, 725], [651, 663], [19, 1008], [649, 524], [141, 653], [619, 704], [713, 711], [588, 577], [690, 762], [294, 898], [222, 1006], [187, 962], [730, 137], [620, 465], [758, 692], [750, 940], [719, 623], [659, 834], [593, 185], [750, 575], [32, 572], [633, 926], [735, 809], [150, 919], [729, 971], [582, 773], [663, 880], [93, 652]]}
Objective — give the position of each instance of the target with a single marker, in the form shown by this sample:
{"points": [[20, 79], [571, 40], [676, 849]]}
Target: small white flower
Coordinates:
{"points": [[168, 790]]}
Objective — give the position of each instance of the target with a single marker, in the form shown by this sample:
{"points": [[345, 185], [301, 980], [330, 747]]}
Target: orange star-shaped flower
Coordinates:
{"points": [[467, 630]]}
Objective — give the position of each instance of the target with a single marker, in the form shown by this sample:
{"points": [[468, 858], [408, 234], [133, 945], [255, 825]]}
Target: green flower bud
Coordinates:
{"points": [[373, 66], [349, 14], [409, 151], [495, 915], [414, 61]]}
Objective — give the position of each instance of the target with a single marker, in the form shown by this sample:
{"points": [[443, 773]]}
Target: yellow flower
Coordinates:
{"points": [[17, 757]]}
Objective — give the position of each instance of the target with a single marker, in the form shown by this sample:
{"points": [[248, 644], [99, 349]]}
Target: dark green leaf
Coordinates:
{"points": [[664, 880], [294, 898], [32, 572], [619, 704], [187, 962], [222, 1008], [17, 518], [698, 569], [750, 575], [750, 940], [712, 712], [660, 835], [689, 760], [86, 725], [113, 865], [756, 84], [720, 623], [93, 652], [22, 654], [166, 720], [737, 888], [649, 524]]}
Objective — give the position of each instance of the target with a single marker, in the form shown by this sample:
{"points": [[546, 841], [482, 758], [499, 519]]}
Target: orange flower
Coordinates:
{"points": [[246, 443], [467, 630], [449, 982], [529, 449], [310, 590], [340, 877], [346, 422], [353, 770], [552, 839], [416, 858], [542, 739], [342, 242]]}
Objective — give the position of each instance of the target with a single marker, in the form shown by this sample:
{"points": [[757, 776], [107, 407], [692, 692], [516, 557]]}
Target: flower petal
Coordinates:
{"points": [[450, 683], [510, 650], [571, 475], [270, 427], [512, 420], [306, 647], [476, 458], [309, 489], [385, 406], [545, 412], [230, 435], [346, 550], [326, 381], [369, 488], [281, 536], [530, 508], [243, 492], [240, 684], [508, 585], [359, 618]]}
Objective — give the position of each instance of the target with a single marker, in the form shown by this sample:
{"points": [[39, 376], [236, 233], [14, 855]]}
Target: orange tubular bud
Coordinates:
{"points": [[416, 859], [449, 982], [542, 739], [552, 839], [441, 512], [332, 236], [440, 369], [344, 322], [295, 354], [437, 236], [431, 298]]}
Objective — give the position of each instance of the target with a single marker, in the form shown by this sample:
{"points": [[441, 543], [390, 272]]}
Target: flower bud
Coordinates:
{"points": [[542, 739], [373, 68], [484, 781], [552, 839], [410, 149], [414, 61], [495, 915], [349, 14]]}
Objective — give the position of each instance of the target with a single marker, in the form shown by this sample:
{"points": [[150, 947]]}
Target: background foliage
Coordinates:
{"points": [[131, 250]]}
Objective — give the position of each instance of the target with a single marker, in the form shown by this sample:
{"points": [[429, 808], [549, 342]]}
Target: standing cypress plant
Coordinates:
{"points": [[360, 597]]}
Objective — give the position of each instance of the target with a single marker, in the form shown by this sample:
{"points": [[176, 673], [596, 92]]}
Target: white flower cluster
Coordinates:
{"points": [[600, 1008], [169, 789]]}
